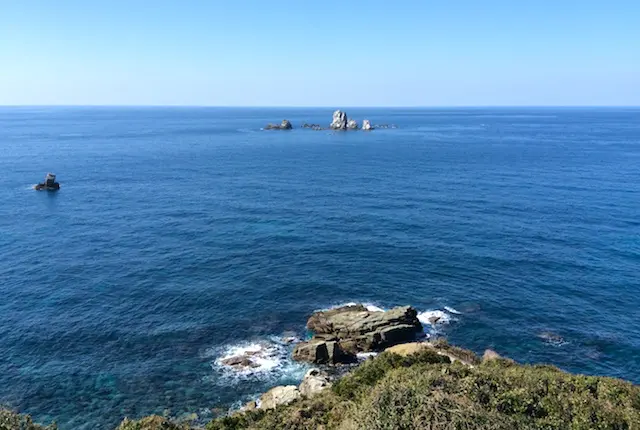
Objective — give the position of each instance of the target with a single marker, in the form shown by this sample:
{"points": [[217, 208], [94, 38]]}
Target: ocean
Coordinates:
{"points": [[182, 235]]}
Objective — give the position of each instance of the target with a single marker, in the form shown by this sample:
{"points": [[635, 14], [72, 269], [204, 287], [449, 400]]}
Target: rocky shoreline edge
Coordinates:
{"points": [[340, 336], [407, 381]]}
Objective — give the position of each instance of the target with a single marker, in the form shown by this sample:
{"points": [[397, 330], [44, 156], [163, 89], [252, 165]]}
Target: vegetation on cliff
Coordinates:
{"points": [[426, 390], [9, 420]]}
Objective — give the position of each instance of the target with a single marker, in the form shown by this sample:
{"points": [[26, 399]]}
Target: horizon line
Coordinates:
{"points": [[309, 106]]}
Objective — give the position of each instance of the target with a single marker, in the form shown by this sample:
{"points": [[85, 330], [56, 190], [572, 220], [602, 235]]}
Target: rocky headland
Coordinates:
{"points": [[413, 383]]}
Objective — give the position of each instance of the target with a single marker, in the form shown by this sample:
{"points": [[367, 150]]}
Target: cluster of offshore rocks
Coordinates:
{"points": [[340, 121]]}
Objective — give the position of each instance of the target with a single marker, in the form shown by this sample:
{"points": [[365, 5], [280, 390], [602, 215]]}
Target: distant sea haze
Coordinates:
{"points": [[181, 236]]}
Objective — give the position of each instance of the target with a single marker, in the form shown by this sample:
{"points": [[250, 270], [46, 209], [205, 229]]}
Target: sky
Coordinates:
{"points": [[320, 53]]}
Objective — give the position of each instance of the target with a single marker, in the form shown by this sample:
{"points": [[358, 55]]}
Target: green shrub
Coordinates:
{"points": [[371, 371], [10, 420], [151, 423], [461, 354]]}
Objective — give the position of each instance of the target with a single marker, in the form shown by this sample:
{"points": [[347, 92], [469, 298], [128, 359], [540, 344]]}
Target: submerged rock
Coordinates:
{"points": [[281, 395], [241, 362], [352, 124], [339, 121], [341, 333], [366, 125]]}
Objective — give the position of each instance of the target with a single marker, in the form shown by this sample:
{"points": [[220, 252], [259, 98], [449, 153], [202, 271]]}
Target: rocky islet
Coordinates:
{"points": [[340, 121]]}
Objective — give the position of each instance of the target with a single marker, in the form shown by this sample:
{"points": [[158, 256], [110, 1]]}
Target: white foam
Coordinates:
{"points": [[451, 310], [365, 355], [370, 306], [440, 317], [265, 357], [270, 358]]}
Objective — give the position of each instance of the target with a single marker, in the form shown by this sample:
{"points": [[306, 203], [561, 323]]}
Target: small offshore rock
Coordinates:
{"points": [[434, 320], [339, 121], [281, 395], [284, 125], [366, 125], [241, 361], [313, 382], [352, 124]]}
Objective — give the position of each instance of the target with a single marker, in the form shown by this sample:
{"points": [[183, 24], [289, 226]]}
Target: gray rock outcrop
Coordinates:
{"points": [[339, 121], [281, 395], [341, 333], [366, 125], [321, 351], [314, 381], [352, 124]]}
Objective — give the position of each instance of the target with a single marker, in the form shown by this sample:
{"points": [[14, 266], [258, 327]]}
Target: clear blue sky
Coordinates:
{"points": [[320, 53]]}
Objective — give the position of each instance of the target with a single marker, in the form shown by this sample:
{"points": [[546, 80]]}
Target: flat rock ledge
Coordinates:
{"points": [[284, 125], [341, 333]]}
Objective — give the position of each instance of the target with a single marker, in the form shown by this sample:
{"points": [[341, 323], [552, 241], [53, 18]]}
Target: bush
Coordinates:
{"points": [[371, 371], [427, 391], [10, 420], [461, 354], [151, 423]]}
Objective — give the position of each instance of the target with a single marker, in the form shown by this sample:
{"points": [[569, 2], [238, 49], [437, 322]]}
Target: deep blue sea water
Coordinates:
{"points": [[180, 234]]}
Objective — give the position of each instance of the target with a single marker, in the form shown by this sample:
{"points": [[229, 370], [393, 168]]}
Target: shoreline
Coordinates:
{"points": [[327, 386]]}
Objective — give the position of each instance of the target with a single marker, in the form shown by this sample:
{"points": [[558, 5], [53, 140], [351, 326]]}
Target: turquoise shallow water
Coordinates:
{"points": [[181, 235]]}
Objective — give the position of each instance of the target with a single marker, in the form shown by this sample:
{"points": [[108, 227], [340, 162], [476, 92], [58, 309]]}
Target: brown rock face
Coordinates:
{"points": [[322, 352], [343, 332]]}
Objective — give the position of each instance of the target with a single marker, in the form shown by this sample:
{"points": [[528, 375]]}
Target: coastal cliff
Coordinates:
{"points": [[413, 383], [444, 387]]}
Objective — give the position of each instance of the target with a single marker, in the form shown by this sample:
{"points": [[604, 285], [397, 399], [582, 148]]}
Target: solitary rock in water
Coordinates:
{"points": [[49, 183], [352, 124], [366, 125], [341, 333], [284, 125], [339, 120]]}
